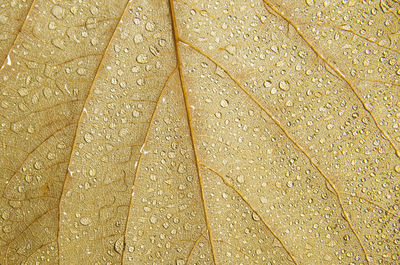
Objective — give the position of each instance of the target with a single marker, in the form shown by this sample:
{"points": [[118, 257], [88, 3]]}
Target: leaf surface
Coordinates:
{"points": [[201, 132]]}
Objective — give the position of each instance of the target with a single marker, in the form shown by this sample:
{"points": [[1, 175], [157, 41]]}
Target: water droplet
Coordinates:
{"points": [[47, 92], [181, 168], [88, 137], [3, 19], [8, 60], [94, 10], [267, 83], [7, 229], [180, 262], [397, 168], [138, 38], [28, 178], [38, 165], [31, 129], [58, 43], [142, 58], [263, 199], [135, 113], [255, 216], [51, 156], [81, 71], [224, 103], [240, 179], [119, 245], [153, 219], [85, 221], [92, 172], [58, 12], [150, 26], [154, 51], [123, 132], [310, 2], [5, 215], [23, 91], [284, 85], [231, 49]]}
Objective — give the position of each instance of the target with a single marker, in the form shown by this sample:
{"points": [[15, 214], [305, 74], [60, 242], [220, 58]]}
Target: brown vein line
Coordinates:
{"points": [[185, 97], [18, 33], [38, 249], [35, 149], [287, 135], [347, 30], [193, 247], [379, 81], [236, 249], [141, 156], [251, 207], [80, 121], [371, 202], [218, 141], [26, 116], [338, 72], [25, 229]]}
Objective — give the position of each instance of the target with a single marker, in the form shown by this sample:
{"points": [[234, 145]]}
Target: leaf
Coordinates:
{"points": [[195, 132]]}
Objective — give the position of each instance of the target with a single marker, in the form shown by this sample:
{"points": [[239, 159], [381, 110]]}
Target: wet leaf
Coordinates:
{"points": [[199, 132]]}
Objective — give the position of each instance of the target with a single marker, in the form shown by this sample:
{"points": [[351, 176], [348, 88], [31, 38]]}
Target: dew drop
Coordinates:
{"points": [[142, 58], [51, 156], [38, 165], [284, 85], [255, 216], [135, 114], [119, 245], [181, 168], [150, 26], [231, 49], [138, 38], [267, 83], [263, 199], [81, 71], [310, 2], [180, 262], [153, 219], [28, 178], [58, 43], [58, 12], [3, 19], [123, 132], [88, 137], [8, 60], [85, 221], [240, 179], [224, 103], [92, 172]]}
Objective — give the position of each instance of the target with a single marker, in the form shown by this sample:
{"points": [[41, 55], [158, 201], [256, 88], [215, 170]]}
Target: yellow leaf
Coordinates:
{"points": [[199, 132]]}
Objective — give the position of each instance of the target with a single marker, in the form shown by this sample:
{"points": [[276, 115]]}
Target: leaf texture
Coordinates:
{"points": [[200, 132]]}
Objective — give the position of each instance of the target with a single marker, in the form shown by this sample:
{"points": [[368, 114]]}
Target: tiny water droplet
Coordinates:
{"points": [[224, 103]]}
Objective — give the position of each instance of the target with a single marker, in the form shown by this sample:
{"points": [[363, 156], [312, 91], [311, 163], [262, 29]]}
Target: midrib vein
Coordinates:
{"points": [[179, 65]]}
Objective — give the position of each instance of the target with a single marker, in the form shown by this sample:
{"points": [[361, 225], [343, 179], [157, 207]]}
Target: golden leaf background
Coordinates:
{"points": [[199, 132]]}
